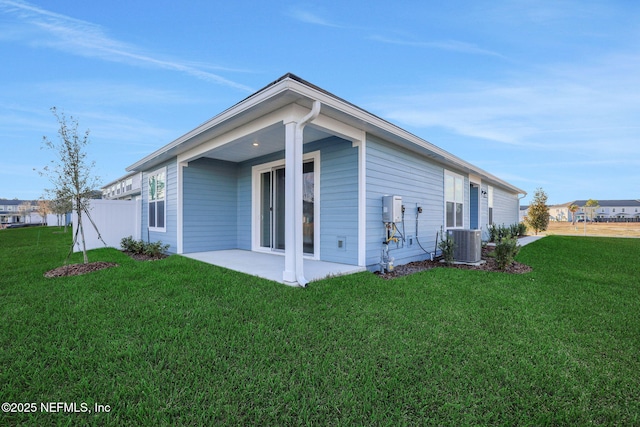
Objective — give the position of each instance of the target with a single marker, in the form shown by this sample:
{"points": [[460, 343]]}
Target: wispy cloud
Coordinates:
{"points": [[84, 38], [311, 18], [451, 45], [314, 18], [557, 108]]}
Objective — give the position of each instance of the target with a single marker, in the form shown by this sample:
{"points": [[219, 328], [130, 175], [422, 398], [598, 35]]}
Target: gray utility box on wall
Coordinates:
{"points": [[468, 245], [391, 209]]}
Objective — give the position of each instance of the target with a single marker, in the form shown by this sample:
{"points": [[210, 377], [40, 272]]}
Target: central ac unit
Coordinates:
{"points": [[468, 245]]}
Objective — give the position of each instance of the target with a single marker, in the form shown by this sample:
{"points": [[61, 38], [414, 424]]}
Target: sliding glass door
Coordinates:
{"points": [[272, 208]]}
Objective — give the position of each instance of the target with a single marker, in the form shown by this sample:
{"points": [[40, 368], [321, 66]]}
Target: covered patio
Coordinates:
{"points": [[271, 266]]}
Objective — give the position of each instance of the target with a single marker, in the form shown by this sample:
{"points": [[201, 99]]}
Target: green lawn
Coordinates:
{"points": [[178, 342]]}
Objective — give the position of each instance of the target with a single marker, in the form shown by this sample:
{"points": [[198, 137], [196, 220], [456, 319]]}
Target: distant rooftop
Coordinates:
{"points": [[608, 203], [12, 202], [601, 203]]}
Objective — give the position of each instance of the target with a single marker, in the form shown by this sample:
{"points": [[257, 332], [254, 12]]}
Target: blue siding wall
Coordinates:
{"points": [[338, 199], [506, 207], [420, 182], [244, 212], [217, 202], [170, 235], [210, 199]]}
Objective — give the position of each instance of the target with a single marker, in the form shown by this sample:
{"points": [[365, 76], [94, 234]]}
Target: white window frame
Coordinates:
{"points": [[163, 229], [456, 193]]}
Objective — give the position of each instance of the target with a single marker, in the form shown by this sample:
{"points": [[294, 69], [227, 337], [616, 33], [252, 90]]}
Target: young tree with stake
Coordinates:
{"points": [[70, 173]]}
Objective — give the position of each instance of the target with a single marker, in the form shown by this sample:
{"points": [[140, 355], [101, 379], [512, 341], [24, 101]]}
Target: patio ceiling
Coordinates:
{"points": [[269, 140]]}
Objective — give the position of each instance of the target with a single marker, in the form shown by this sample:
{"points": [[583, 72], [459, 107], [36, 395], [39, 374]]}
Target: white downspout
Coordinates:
{"points": [[298, 193], [520, 198]]}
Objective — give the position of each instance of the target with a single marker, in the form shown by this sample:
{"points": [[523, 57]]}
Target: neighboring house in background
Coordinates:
{"points": [[127, 187], [607, 211], [523, 213], [612, 210], [295, 170], [560, 212], [10, 213]]}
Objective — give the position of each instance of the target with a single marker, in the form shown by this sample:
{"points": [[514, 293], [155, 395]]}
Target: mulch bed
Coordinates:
{"points": [[489, 265], [78, 269]]}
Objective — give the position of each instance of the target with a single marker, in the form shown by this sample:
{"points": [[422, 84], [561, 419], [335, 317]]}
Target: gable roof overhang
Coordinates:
{"points": [[269, 107]]}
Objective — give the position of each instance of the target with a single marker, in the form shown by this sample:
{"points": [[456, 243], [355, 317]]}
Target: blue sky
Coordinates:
{"points": [[540, 93]]}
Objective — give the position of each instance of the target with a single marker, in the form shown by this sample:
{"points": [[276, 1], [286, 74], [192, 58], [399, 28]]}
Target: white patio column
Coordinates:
{"points": [[293, 230], [290, 158]]}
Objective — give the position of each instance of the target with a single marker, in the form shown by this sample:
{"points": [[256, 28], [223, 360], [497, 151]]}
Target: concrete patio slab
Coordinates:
{"points": [[270, 266]]}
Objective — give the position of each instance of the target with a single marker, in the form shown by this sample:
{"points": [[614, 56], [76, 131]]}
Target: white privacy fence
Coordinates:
{"points": [[49, 219], [114, 219]]}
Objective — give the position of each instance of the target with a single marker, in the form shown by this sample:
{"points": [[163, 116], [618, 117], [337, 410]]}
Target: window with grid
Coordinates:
{"points": [[454, 200], [156, 204]]}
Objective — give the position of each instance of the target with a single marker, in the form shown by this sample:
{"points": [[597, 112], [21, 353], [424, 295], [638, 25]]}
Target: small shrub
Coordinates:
{"points": [[129, 244], [503, 231], [497, 233], [514, 230], [506, 251], [447, 245], [522, 229], [493, 233], [155, 249]]}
